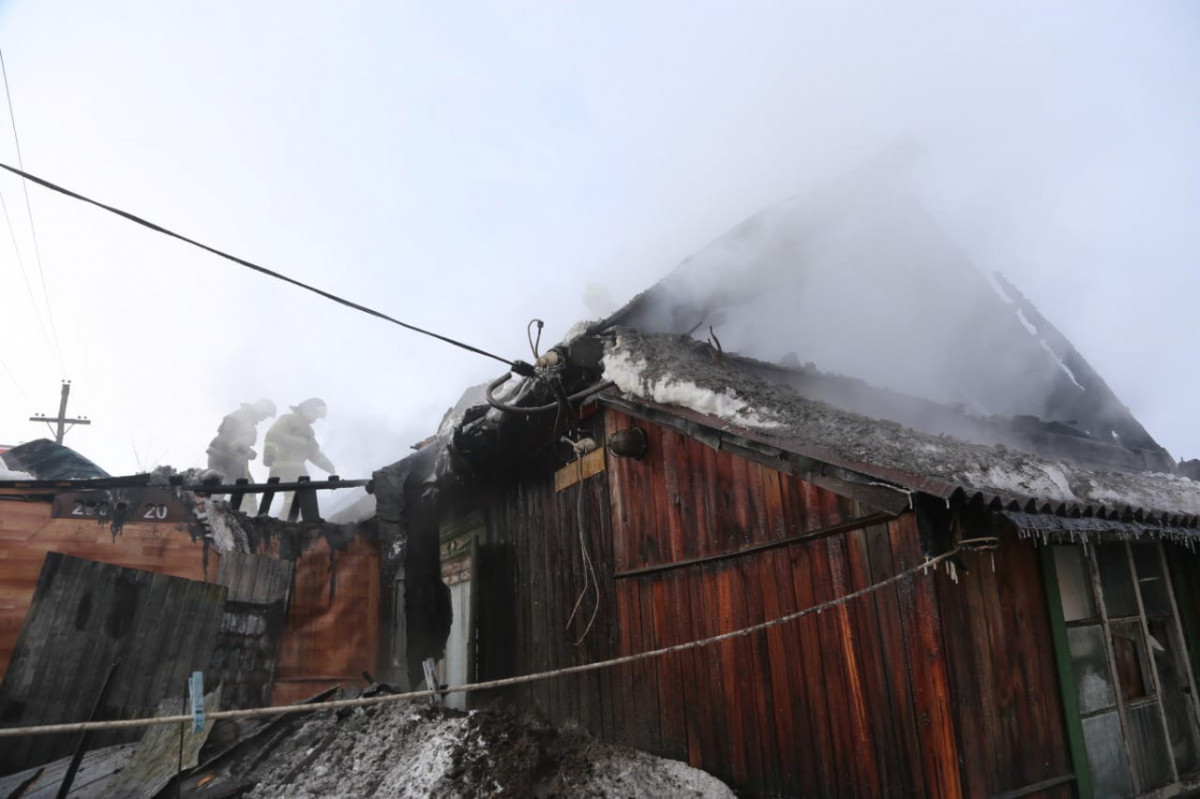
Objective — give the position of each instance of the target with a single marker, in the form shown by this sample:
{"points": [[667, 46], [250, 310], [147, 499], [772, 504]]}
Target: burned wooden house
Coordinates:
{"points": [[643, 488], [134, 582]]}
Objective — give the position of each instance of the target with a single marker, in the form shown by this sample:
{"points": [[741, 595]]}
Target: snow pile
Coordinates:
{"points": [[631, 375], [419, 749]]}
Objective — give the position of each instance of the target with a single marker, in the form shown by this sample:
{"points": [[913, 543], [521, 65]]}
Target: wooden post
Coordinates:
{"points": [[306, 499], [268, 497], [61, 419], [236, 497]]}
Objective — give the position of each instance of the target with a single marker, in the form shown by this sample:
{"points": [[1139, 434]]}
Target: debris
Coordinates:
{"points": [[156, 760], [414, 749]]}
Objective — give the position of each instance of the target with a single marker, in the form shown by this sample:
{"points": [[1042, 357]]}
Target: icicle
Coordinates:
{"points": [[952, 571]]}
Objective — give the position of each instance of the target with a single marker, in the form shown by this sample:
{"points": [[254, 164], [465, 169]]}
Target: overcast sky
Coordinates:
{"points": [[466, 168]]}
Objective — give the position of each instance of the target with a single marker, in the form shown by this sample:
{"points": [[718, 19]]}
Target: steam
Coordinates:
{"points": [[860, 279]]}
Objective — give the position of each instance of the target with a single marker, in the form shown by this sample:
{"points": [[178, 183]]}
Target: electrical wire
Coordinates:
{"points": [[15, 382], [37, 250], [533, 346], [589, 573], [24, 273], [518, 366]]}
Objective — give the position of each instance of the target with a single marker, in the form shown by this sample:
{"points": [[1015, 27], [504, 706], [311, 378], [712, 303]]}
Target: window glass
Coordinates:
{"points": [[1106, 756], [1151, 758], [1173, 681], [1132, 666], [1074, 583], [1116, 583], [1149, 569], [1089, 661]]}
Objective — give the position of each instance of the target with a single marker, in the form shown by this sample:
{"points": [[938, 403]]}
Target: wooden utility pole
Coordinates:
{"points": [[61, 419]]}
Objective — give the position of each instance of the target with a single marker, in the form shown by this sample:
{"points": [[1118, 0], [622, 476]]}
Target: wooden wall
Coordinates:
{"points": [[1004, 680], [27, 533], [861, 700], [325, 641]]}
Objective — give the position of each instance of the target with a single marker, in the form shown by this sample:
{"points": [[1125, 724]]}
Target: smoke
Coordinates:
{"points": [[466, 172], [859, 279]]}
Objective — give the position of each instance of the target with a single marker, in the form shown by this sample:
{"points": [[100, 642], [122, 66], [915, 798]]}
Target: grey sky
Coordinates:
{"points": [[466, 168]]}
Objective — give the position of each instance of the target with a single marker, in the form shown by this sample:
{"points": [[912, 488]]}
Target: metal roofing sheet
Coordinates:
{"points": [[1050, 526]]}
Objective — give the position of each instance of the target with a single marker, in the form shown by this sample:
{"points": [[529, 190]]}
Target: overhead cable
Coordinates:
{"points": [[37, 251], [24, 272], [13, 378], [518, 366]]}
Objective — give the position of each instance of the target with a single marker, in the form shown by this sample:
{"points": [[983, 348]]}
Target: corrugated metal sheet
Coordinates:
{"points": [[1077, 528], [85, 616]]}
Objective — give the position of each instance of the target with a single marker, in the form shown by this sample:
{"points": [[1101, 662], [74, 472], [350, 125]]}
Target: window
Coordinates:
{"points": [[1132, 679]]}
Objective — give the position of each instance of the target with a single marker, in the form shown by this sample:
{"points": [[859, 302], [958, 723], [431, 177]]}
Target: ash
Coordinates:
{"points": [[417, 749]]}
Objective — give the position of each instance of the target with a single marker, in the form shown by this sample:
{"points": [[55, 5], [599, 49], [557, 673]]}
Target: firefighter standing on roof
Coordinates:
{"points": [[291, 443], [232, 450]]}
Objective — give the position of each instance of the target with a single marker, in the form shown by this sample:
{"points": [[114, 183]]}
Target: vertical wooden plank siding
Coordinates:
{"points": [[1003, 674], [924, 688], [931, 688], [822, 707]]}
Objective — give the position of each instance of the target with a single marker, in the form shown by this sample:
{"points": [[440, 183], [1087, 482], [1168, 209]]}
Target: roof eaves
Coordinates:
{"points": [[710, 429]]}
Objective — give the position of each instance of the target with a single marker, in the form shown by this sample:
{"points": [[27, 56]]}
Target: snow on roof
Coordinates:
{"points": [[681, 372]]}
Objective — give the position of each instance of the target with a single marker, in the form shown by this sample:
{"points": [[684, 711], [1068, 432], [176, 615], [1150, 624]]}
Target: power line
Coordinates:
{"points": [[15, 382], [37, 251], [517, 366], [24, 272]]}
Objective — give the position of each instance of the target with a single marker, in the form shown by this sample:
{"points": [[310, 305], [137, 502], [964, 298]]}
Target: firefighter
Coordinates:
{"points": [[291, 443], [232, 450]]}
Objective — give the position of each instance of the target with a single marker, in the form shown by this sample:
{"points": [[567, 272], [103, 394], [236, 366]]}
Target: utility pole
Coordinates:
{"points": [[61, 419]]}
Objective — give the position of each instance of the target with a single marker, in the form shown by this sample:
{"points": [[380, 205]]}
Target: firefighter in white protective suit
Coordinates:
{"points": [[231, 451], [291, 443]]}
